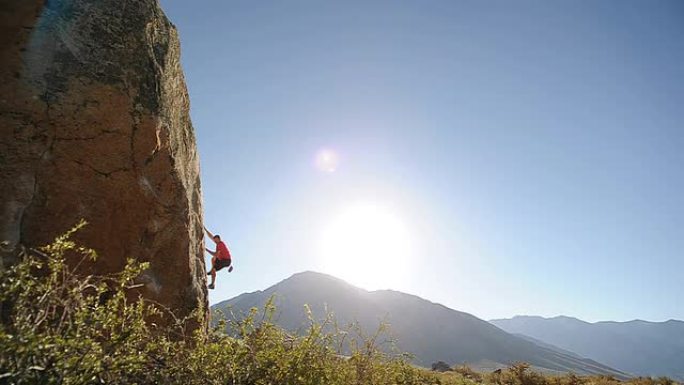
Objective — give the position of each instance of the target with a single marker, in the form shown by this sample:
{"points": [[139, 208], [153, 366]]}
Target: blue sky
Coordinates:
{"points": [[530, 152]]}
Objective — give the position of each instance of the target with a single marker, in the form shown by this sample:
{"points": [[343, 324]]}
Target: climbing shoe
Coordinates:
{"points": [[211, 287]]}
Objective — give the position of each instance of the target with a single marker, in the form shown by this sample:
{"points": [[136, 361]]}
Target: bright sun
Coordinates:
{"points": [[367, 245]]}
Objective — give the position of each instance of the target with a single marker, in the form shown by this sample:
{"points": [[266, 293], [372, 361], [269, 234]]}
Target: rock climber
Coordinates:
{"points": [[220, 258]]}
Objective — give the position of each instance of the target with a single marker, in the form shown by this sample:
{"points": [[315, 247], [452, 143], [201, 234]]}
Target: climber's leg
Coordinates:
{"points": [[213, 278], [212, 272]]}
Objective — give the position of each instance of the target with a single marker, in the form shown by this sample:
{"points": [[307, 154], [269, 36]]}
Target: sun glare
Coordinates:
{"points": [[367, 245], [327, 160]]}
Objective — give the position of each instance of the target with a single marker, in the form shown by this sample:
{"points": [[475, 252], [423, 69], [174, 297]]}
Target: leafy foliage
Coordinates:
{"points": [[521, 374], [64, 328], [60, 327]]}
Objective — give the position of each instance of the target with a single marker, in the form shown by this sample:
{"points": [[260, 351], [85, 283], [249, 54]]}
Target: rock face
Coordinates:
{"points": [[94, 124]]}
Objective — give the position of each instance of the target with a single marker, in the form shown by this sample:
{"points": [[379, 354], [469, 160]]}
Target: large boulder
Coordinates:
{"points": [[441, 366], [94, 124]]}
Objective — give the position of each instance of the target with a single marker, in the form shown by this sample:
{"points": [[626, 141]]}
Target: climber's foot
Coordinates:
{"points": [[230, 269], [211, 287]]}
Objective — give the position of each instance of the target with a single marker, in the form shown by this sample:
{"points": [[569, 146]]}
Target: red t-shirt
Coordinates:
{"points": [[222, 251]]}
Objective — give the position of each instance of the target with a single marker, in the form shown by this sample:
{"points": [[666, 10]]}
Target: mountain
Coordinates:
{"points": [[430, 331], [638, 347], [546, 345]]}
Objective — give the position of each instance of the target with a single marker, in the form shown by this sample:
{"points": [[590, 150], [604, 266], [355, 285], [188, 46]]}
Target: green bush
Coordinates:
{"points": [[64, 328], [59, 327], [467, 372]]}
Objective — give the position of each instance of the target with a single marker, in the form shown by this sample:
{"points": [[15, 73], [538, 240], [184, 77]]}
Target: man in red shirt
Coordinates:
{"points": [[220, 257]]}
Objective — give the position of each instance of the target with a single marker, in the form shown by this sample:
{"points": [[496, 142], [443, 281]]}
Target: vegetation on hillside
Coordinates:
{"points": [[520, 374], [59, 327]]}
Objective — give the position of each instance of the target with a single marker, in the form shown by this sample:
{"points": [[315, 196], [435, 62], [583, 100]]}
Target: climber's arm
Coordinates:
{"points": [[209, 234], [213, 253]]}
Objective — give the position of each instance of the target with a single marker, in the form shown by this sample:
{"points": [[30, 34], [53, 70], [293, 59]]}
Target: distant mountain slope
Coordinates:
{"points": [[638, 347], [430, 331], [546, 345]]}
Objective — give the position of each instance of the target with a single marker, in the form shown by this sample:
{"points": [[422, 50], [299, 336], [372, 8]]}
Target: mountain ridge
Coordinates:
{"points": [[431, 331], [565, 317], [644, 348]]}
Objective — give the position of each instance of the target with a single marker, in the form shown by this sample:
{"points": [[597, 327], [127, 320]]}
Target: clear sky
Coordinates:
{"points": [[498, 157]]}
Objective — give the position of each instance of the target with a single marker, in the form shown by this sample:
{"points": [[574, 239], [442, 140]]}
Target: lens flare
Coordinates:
{"points": [[327, 160]]}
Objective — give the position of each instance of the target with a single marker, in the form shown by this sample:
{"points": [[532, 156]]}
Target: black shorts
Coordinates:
{"points": [[221, 263]]}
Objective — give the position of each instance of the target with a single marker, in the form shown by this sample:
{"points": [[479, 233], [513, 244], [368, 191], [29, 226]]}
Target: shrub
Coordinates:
{"points": [[440, 366], [59, 327], [66, 328], [62, 328], [467, 372]]}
